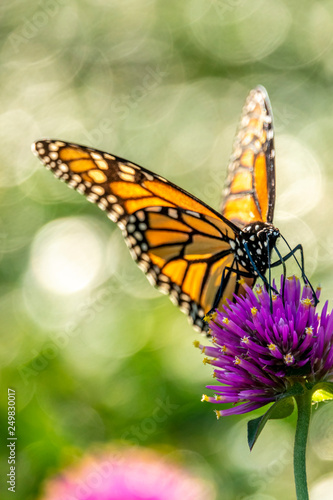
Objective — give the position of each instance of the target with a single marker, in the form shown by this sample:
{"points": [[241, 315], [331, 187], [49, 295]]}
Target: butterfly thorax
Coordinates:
{"points": [[254, 245]]}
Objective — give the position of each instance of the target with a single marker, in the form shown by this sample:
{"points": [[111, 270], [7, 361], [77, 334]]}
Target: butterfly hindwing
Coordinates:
{"points": [[250, 186], [178, 241]]}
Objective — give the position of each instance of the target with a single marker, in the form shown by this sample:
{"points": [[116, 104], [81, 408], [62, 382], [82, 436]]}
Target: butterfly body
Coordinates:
{"points": [[187, 249]]}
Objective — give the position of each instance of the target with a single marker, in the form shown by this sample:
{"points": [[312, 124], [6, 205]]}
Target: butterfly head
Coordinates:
{"points": [[257, 239]]}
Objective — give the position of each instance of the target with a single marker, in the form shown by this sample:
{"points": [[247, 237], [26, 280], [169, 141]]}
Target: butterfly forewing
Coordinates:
{"points": [[249, 195], [178, 241]]}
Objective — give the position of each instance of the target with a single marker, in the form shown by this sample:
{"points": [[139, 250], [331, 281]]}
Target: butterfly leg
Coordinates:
{"points": [[283, 259], [224, 281], [257, 270]]}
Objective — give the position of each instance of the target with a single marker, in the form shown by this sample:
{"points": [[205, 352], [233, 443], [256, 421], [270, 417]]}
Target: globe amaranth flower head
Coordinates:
{"points": [[127, 474], [262, 347]]}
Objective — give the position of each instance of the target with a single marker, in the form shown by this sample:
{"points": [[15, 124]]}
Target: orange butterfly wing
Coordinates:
{"points": [[249, 195], [178, 241]]}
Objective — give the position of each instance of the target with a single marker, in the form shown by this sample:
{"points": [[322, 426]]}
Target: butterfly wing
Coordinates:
{"points": [[178, 241], [250, 187]]}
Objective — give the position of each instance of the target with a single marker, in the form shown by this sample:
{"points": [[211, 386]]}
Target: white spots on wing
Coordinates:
{"points": [[130, 227], [103, 202], [102, 164], [118, 208], [144, 247], [148, 176], [195, 214], [53, 146], [126, 177], [108, 156], [126, 169], [81, 188], [240, 252], [63, 167], [111, 198], [92, 197], [95, 156], [174, 299], [76, 178], [155, 209], [142, 226], [138, 236], [98, 190], [151, 279], [164, 288], [141, 215], [172, 212], [144, 266], [112, 216], [232, 244], [164, 278]]}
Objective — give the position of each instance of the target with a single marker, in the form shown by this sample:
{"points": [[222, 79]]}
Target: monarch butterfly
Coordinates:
{"points": [[187, 249]]}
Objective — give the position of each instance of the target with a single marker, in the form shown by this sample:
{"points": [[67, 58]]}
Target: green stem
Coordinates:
{"points": [[303, 402]]}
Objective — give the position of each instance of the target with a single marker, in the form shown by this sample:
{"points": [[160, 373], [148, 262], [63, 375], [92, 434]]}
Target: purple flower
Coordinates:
{"points": [[259, 354], [127, 474]]}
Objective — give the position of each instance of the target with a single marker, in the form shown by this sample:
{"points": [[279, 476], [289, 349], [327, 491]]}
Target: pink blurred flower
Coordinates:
{"points": [[127, 474]]}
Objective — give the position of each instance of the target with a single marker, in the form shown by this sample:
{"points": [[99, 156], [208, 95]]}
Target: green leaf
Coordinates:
{"points": [[323, 392], [280, 409]]}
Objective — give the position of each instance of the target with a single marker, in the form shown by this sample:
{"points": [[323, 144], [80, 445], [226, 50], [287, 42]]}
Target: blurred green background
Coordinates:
{"points": [[92, 350]]}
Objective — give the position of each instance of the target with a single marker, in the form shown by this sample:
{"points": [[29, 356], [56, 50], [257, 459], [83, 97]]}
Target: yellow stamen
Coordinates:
{"points": [[196, 343], [306, 302], [206, 361], [218, 398], [245, 340], [210, 317], [237, 360], [259, 289], [254, 311], [271, 347], [204, 398], [217, 414], [309, 331], [288, 359], [225, 320], [241, 281], [223, 348]]}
